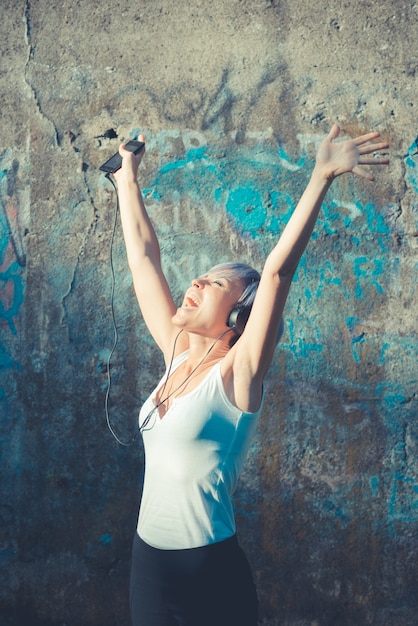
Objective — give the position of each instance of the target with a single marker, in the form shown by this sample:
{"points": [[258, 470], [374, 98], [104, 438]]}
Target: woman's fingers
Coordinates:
{"points": [[375, 147], [367, 137], [362, 173], [373, 161], [334, 132]]}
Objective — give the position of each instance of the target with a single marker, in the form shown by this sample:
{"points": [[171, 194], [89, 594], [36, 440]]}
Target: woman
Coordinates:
{"points": [[187, 566]]}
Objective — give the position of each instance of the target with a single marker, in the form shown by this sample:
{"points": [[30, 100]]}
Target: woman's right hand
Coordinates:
{"points": [[130, 162]]}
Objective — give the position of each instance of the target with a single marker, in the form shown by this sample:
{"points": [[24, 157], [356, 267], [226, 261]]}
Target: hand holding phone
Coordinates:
{"points": [[115, 162]]}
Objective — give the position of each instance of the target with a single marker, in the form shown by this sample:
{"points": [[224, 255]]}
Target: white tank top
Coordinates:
{"points": [[193, 456]]}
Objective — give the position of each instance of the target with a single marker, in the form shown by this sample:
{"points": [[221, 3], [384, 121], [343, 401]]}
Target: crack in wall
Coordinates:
{"points": [[91, 228], [64, 317], [83, 169], [27, 70]]}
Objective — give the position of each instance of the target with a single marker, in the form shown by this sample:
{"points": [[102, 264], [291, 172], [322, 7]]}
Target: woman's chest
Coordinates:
{"points": [[182, 382]]}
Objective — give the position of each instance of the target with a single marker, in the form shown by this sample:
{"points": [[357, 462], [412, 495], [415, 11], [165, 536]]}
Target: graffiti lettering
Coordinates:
{"points": [[12, 258]]}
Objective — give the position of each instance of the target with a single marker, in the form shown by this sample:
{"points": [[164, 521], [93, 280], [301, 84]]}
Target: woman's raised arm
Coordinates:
{"points": [[143, 252], [254, 350]]}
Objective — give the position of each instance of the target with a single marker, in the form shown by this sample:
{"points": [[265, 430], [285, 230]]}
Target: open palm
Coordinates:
{"points": [[336, 158]]}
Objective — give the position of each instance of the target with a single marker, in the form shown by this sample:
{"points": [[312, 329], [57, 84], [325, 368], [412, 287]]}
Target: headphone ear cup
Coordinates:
{"points": [[238, 318]]}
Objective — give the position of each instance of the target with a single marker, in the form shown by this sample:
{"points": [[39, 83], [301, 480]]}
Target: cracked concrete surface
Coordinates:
{"points": [[233, 97]]}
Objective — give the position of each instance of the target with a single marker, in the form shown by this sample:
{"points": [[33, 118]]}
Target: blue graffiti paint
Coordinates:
{"points": [[374, 482], [13, 279], [259, 202], [288, 163], [403, 501], [12, 286], [376, 222], [391, 395], [327, 277], [384, 348], [270, 183], [106, 539], [245, 206], [365, 272], [282, 205], [411, 162], [298, 346], [358, 337], [5, 358]]}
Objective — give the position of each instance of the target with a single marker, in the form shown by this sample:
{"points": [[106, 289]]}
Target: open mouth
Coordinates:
{"points": [[190, 302]]}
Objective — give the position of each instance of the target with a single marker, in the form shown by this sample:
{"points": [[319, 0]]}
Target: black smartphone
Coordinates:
{"points": [[115, 162]]}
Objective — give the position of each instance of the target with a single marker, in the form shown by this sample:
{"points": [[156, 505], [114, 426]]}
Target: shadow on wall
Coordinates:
{"points": [[23, 617]]}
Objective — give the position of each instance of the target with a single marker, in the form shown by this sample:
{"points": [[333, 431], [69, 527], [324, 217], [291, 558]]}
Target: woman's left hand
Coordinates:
{"points": [[334, 159]]}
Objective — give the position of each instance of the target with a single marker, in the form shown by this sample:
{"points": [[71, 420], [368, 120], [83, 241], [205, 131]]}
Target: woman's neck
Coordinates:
{"points": [[208, 349]]}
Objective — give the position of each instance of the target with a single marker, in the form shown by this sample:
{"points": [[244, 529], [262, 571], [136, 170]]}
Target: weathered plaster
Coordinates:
{"points": [[233, 98]]}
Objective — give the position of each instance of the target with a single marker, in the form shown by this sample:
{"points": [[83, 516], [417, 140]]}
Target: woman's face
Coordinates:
{"points": [[208, 302]]}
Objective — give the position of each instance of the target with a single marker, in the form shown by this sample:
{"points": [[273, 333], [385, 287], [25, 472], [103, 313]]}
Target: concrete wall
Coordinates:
{"points": [[233, 97]]}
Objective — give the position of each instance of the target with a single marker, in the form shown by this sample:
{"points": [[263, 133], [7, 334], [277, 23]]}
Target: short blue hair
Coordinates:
{"points": [[246, 275]]}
